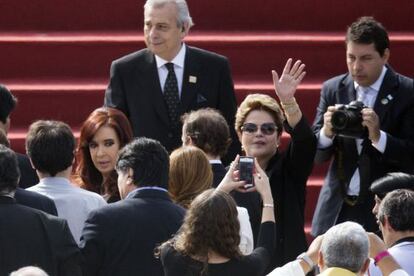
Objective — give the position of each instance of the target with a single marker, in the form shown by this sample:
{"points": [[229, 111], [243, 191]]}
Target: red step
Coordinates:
{"points": [[84, 56], [262, 15]]}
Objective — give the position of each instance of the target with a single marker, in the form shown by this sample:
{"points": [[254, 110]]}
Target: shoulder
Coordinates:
{"points": [[89, 195], [336, 81], [204, 55], [133, 58]]}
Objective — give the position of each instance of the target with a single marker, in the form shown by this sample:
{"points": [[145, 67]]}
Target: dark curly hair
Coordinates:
{"points": [[208, 130], [211, 224]]}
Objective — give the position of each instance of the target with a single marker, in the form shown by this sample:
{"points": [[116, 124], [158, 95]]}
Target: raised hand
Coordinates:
{"points": [[286, 85]]}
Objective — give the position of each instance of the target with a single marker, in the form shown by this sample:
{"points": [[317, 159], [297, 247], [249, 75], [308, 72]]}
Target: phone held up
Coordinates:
{"points": [[246, 170]]}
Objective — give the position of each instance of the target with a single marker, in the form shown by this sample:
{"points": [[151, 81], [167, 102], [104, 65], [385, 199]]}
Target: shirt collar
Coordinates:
{"points": [[377, 84], [55, 180], [216, 161], [177, 60], [133, 192]]}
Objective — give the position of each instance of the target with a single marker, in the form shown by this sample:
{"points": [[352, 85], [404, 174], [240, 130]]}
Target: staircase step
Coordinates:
{"points": [[270, 15], [252, 56], [72, 102]]}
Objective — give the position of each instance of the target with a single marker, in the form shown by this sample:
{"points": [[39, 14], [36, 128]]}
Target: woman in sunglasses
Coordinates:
{"points": [[260, 122]]}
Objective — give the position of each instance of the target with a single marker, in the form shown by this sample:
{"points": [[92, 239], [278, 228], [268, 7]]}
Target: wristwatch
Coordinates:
{"points": [[306, 258]]}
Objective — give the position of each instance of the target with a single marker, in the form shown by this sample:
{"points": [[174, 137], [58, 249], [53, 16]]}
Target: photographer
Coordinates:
{"points": [[379, 138]]}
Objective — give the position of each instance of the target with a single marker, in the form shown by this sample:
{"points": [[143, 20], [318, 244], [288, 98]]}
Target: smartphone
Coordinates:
{"points": [[246, 169]]}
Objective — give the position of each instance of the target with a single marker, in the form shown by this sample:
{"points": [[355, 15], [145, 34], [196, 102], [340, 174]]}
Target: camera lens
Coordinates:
{"points": [[339, 120]]}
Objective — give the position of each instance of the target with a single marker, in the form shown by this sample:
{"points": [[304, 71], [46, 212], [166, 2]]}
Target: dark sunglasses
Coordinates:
{"points": [[266, 128]]}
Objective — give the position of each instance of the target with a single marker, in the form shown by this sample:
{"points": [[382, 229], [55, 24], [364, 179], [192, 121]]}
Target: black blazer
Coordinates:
{"points": [[288, 173], [119, 239], [31, 237], [135, 89], [28, 176], [219, 171], [396, 119], [36, 201]]}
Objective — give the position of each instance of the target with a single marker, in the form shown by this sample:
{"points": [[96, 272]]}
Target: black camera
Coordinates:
{"points": [[347, 120]]}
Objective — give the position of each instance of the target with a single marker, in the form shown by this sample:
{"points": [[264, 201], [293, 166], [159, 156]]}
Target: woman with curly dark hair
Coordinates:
{"points": [[208, 241], [102, 135]]}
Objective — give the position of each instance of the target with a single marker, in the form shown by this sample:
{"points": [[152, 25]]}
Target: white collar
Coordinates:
{"points": [[178, 60], [377, 84], [216, 161]]}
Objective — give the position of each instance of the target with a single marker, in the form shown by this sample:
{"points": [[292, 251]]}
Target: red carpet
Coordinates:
{"points": [[55, 55]]}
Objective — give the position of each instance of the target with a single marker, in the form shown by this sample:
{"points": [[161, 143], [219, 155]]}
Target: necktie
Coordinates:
{"points": [[171, 95]]}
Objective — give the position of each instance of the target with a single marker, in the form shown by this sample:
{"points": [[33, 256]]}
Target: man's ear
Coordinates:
{"points": [[130, 179], [365, 266], [321, 262]]}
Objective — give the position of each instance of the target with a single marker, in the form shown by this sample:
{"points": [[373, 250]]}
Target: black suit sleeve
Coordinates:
{"points": [[228, 107], [115, 92], [65, 248], [326, 100], [91, 245]]}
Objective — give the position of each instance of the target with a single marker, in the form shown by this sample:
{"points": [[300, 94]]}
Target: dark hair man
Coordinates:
{"points": [[29, 236], [156, 85], [208, 130], [384, 140], [51, 147], [120, 239], [7, 103], [396, 219]]}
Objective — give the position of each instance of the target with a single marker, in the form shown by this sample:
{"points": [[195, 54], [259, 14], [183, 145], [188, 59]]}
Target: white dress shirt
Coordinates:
{"points": [[178, 62], [403, 253], [72, 202]]}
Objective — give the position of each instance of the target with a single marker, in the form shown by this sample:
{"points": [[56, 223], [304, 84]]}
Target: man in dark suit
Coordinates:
{"points": [[28, 236], [386, 143], [153, 96], [120, 239], [7, 103]]}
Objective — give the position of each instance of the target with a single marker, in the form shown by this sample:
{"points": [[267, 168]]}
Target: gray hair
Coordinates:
{"points": [[29, 271], [398, 207], [183, 16], [346, 246]]}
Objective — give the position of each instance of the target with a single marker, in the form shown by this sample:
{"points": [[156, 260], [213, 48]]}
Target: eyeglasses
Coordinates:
{"points": [[266, 128]]}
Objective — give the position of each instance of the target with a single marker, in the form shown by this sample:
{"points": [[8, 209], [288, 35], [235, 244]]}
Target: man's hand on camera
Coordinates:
{"points": [[371, 121], [327, 124]]}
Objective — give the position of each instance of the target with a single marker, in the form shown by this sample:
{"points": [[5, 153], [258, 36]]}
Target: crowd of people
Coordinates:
{"points": [[145, 190]]}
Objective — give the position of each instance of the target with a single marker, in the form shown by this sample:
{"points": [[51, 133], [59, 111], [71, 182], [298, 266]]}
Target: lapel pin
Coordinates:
{"points": [[192, 79], [389, 97], [384, 101]]}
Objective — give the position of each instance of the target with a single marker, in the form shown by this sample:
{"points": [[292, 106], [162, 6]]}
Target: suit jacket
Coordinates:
{"points": [[36, 201], [219, 171], [28, 176], [31, 237], [396, 117], [120, 239], [288, 172], [135, 89]]}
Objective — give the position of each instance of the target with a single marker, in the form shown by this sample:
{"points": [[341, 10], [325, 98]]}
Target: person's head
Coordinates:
{"points": [[9, 171], [29, 271], [190, 174], [392, 181], [259, 125], [210, 225], [345, 245], [396, 215], [367, 50], [166, 23], [7, 104], [208, 130], [50, 146], [102, 135], [142, 163]]}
